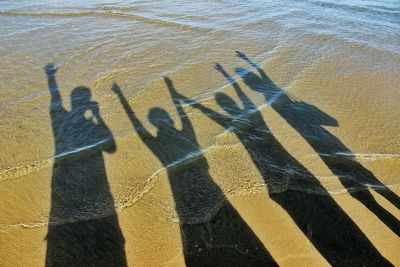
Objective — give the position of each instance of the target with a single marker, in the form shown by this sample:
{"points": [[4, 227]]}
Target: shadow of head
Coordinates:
{"points": [[160, 118], [312, 114], [227, 103], [256, 83], [80, 98]]}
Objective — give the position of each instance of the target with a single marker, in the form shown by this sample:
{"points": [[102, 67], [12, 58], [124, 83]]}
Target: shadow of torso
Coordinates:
{"points": [[83, 225]]}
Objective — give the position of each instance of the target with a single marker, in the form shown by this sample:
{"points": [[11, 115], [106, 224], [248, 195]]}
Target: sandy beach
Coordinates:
{"points": [[199, 133]]}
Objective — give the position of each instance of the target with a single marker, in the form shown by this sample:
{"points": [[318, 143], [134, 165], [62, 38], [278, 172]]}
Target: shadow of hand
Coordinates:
{"points": [[116, 89], [50, 69]]}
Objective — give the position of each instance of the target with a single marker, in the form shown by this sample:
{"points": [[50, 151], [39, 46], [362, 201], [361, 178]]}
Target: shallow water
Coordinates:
{"points": [[330, 98]]}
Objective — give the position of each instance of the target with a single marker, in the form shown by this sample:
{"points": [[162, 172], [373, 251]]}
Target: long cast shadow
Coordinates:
{"points": [[308, 121], [222, 240], [318, 216], [83, 225]]}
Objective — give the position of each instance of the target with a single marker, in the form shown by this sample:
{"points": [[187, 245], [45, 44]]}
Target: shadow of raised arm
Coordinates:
{"points": [[222, 120], [187, 126], [254, 65], [247, 103], [137, 124], [56, 102]]}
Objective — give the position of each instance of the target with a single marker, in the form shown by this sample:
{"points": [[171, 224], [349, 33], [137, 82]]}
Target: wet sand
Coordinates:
{"points": [[287, 153]]}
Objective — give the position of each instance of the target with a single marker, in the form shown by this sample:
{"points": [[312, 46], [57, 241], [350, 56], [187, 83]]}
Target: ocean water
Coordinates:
{"points": [[277, 96]]}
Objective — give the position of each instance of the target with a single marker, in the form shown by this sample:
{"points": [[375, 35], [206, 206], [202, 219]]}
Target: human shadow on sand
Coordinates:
{"points": [[308, 121], [292, 186], [83, 225], [221, 238]]}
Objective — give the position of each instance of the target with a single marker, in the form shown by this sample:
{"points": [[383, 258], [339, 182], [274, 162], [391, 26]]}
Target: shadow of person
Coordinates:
{"points": [[309, 121], [292, 186], [212, 231], [83, 225]]}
